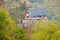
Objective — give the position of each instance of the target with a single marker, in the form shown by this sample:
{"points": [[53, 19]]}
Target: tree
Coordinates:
{"points": [[8, 29], [23, 6], [45, 30]]}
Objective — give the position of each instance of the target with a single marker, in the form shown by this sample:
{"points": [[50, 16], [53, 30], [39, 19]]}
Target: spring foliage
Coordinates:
{"points": [[8, 29], [46, 30]]}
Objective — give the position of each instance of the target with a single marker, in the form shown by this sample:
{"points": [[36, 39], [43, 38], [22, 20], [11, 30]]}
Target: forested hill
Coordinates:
{"points": [[17, 8]]}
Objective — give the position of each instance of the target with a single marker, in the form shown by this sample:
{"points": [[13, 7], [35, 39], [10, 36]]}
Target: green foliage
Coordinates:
{"points": [[45, 30], [8, 29], [56, 36], [19, 11]]}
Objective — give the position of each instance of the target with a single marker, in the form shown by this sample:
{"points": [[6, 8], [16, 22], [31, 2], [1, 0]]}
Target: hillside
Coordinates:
{"points": [[17, 8]]}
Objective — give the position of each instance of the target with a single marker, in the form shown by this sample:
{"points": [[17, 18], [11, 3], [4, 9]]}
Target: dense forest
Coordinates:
{"points": [[18, 8]]}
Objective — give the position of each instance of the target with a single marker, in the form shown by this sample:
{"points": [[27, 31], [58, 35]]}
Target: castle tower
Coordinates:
{"points": [[27, 16]]}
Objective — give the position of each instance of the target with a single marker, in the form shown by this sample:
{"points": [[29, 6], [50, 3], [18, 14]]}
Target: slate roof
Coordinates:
{"points": [[36, 12]]}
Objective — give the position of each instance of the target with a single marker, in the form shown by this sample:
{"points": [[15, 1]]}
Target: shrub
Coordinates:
{"points": [[45, 30], [8, 29]]}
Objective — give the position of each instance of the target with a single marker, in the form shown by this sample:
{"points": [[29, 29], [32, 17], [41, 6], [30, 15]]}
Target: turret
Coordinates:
{"points": [[27, 17]]}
